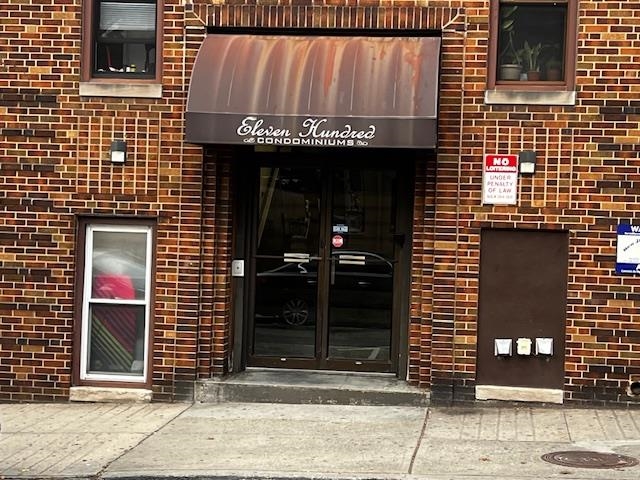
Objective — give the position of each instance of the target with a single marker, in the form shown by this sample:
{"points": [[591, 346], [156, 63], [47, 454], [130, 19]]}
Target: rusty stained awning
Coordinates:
{"points": [[315, 91]]}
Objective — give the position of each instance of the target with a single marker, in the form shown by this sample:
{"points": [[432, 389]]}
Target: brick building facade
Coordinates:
{"points": [[185, 204]]}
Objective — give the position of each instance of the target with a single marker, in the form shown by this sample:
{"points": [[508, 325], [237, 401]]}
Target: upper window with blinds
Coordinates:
{"points": [[124, 39]]}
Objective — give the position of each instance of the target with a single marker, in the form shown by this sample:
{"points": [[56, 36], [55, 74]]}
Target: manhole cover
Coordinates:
{"points": [[585, 459]]}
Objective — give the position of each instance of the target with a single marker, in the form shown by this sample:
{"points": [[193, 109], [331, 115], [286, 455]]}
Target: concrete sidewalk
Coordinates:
{"points": [[234, 440]]}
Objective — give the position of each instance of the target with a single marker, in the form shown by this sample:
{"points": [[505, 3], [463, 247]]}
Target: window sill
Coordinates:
{"points": [[123, 90], [523, 97], [109, 394]]}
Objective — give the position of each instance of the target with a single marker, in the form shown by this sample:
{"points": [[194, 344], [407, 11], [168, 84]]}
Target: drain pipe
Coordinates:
{"points": [[458, 190], [187, 10]]}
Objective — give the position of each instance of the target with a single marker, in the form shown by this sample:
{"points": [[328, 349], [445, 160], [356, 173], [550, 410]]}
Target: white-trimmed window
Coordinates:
{"points": [[116, 303]]}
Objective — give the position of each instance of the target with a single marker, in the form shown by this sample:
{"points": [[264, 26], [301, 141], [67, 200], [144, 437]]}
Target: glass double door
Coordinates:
{"points": [[324, 268]]}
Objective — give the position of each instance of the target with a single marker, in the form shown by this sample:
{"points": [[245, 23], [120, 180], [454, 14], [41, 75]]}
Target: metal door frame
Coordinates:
{"points": [[246, 166]]}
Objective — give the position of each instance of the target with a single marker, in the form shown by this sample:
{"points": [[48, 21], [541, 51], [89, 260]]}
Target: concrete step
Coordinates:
{"points": [[315, 387]]}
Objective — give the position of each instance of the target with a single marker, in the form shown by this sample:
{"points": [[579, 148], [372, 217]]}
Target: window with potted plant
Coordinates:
{"points": [[533, 44]]}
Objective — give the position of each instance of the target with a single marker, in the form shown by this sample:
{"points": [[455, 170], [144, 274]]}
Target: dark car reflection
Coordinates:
{"points": [[358, 281]]}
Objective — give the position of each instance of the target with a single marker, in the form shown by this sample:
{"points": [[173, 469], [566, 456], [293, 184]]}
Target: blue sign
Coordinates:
{"points": [[628, 250]]}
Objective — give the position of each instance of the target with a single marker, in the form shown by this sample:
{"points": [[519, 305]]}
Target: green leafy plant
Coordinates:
{"points": [[509, 54], [530, 55]]}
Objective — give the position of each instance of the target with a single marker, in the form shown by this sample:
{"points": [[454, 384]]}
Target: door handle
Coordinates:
{"points": [[333, 271]]}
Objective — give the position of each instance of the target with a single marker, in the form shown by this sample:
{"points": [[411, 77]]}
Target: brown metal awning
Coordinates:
{"points": [[315, 91]]}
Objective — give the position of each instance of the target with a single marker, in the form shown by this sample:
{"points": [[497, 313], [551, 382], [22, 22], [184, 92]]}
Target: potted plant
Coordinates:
{"points": [[552, 64], [553, 70], [530, 55], [510, 60]]}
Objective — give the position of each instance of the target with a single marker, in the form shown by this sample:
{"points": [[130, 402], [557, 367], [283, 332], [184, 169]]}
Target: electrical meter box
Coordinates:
{"points": [[523, 346], [544, 346], [502, 347]]}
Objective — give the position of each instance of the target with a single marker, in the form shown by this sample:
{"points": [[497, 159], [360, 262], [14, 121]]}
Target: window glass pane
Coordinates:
{"points": [[531, 42], [125, 37], [289, 218], [286, 291], [119, 265], [361, 277], [116, 339]]}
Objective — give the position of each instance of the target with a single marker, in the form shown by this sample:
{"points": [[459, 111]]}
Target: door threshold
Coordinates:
{"points": [[274, 385], [295, 372]]}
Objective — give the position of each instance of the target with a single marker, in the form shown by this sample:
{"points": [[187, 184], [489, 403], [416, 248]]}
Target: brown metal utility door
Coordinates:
{"points": [[523, 294]]}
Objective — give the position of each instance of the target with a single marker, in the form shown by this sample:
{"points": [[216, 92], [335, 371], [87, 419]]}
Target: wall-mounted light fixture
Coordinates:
{"points": [[118, 151], [527, 161]]}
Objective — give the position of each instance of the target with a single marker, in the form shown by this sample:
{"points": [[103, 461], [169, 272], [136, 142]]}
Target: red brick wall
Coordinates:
{"points": [[214, 341], [54, 151], [588, 161], [53, 146]]}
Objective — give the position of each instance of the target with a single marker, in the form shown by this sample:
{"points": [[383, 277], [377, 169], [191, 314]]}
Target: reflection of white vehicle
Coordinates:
{"points": [[358, 279]]}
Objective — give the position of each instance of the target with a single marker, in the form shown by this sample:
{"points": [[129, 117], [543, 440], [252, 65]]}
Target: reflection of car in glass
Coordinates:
{"points": [[358, 279]]}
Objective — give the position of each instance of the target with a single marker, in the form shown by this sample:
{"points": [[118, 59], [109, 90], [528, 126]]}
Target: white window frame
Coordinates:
{"points": [[87, 301]]}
